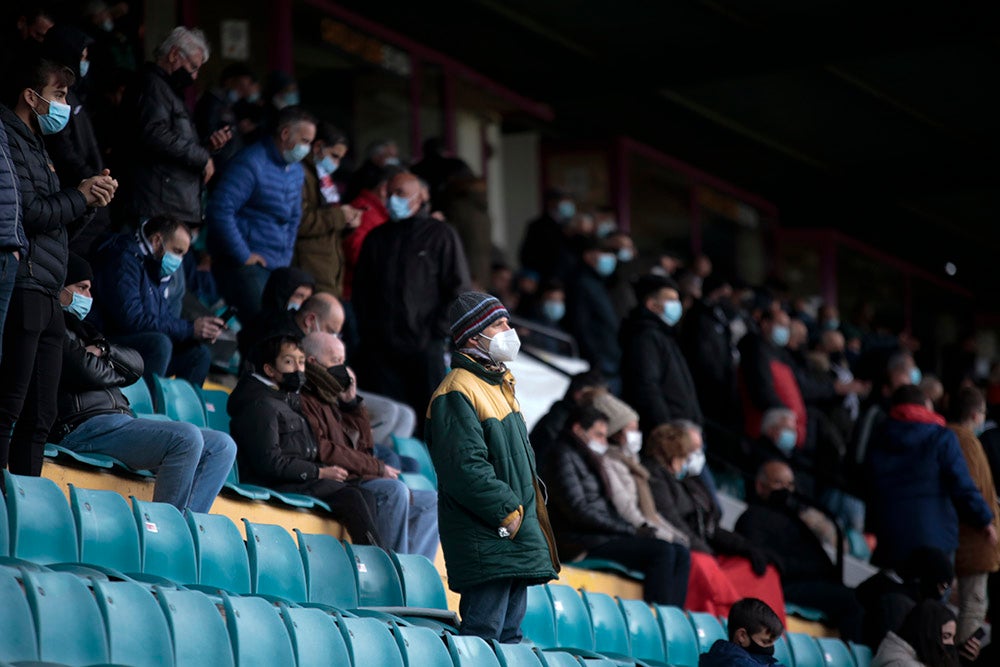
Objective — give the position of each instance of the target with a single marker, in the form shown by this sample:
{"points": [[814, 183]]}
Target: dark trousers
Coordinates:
{"points": [[665, 565], [8, 271], [411, 378], [29, 378], [350, 504], [494, 610], [835, 600], [242, 286], [189, 360]]}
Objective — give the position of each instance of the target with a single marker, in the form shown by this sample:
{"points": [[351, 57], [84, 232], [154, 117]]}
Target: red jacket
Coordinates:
{"points": [[767, 381], [374, 215]]}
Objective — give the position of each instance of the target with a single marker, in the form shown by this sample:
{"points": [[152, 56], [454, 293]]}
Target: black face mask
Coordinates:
{"points": [[340, 374], [757, 649], [292, 382], [783, 499], [180, 78]]}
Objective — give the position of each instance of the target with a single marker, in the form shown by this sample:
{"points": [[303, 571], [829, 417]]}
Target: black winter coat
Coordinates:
{"points": [[11, 228], [591, 318], [799, 554], [89, 385], [712, 359], [580, 510], [275, 445], [47, 209], [656, 380], [166, 156]]}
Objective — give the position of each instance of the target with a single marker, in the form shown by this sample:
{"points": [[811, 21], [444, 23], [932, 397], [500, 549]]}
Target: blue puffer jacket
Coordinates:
{"points": [[731, 654], [256, 207], [128, 292], [11, 228], [920, 489]]}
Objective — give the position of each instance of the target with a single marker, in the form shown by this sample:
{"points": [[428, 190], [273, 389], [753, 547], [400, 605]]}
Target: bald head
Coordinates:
{"points": [[321, 312], [324, 349], [774, 476], [406, 186]]}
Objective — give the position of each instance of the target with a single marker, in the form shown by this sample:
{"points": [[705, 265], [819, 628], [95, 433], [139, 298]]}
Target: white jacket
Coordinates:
{"points": [[895, 652]]}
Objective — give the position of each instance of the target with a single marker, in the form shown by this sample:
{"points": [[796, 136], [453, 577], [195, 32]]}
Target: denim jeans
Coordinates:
{"points": [[388, 417], [190, 360], [8, 271], [191, 464], [407, 520], [494, 610]]}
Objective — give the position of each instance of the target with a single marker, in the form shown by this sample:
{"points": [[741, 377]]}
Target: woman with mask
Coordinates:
{"points": [[926, 639], [586, 522], [728, 566]]}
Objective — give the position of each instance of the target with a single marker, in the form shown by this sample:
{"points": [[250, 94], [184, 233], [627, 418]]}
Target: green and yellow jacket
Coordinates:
{"points": [[486, 478]]}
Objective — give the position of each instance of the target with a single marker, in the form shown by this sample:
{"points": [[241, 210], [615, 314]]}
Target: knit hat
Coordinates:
{"points": [[619, 413], [472, 312], [78, 270]]}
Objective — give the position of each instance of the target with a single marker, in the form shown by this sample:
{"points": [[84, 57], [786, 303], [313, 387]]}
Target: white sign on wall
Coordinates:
{"points": [[235, 39]]}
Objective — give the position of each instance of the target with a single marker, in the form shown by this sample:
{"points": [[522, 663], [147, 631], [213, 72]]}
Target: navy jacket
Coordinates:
{"points": [[920, 489], [256, 207], [127, 286], [11, 228], [731, 654]]}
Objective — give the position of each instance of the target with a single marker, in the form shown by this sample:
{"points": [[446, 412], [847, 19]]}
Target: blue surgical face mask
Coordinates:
{"points": [[232, 96], [780, 335], [253, 97], [55, 120], [295, 153], [915, 375], [672, 310], [606, 228], [84, 68], [289, 99], [391, 161], [294, 305], [626, 255], [606, 264], [832, 325], [327, 165], [566, 209], [554, 310], [80, 305], [107, 25], [399, 207], [171, 262], [786, 441]]}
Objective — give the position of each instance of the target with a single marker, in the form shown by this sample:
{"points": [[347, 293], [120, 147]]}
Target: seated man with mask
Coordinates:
{"points": [[132, 289]]}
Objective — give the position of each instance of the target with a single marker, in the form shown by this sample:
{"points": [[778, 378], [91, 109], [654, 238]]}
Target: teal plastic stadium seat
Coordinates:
{"points": [[808, 613], [835, 652], [378, 582], [94, 460], [257, 632], [41, 524], [178, 399], [139, 397], [138, 634], [213, 402], [608, 623], [417, 449], [68, 623], [679, 637], [707, 629], [862, 654], [249, 491], [165, 542], [330, 576], [539, 624], [315, 637], [805, 651], [559, 659], [18, 640], [782, 653], [370, 642], [604, 565], [4, 529], [416, 481], [197, 631], [106, 529], [645, 636], [515, 655], [275, 565], [221, 554], [422, 585], [421, 647], [470, 651], [573, 629]]}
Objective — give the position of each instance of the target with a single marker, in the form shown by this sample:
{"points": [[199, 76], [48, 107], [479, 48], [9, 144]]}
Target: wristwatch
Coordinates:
{"points": [[503, 532]]}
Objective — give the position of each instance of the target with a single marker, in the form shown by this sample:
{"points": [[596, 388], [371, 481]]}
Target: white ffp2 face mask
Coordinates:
{"points": [[633, 441], [504, 346], [696, 463], [598, 447]]}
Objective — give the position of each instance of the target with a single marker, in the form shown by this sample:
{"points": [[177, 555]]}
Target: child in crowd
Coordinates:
{"points": [[754, 629]]}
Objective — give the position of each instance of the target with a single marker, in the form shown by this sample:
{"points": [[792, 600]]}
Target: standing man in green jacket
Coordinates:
{"points": [[495, 532]]}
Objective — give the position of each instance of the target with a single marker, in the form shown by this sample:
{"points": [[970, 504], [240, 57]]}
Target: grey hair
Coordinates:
{"points": [[317, 342], [773, 416], [186, 40], [377, 147], [686, 424]]}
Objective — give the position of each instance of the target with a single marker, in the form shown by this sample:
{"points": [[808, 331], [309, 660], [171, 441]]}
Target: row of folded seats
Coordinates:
{"points": [[147, 585]]}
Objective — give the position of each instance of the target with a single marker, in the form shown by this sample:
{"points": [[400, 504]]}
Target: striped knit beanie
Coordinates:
{"points": [[472, 312]]}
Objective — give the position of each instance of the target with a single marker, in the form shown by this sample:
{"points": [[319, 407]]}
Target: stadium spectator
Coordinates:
{"points": [[926, 638], [112, 50], [656, 379], [168, 163], [753, 630], [371, 202], [12, 239], [545, 248], [32, 346], [408, 273], [383, 153], [794, 532], [548, 429], [548, 310], [132, 287], [439, 167], [495, 531], [586, 523], [254, 212], [464, 204], [407, 520], [318, 247], [590, 314], [778, 433], [276, 447], [919, 484], [898, 369], [725, 566], [23, 44], [286, 291], [191, 464], [214, 110]]}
